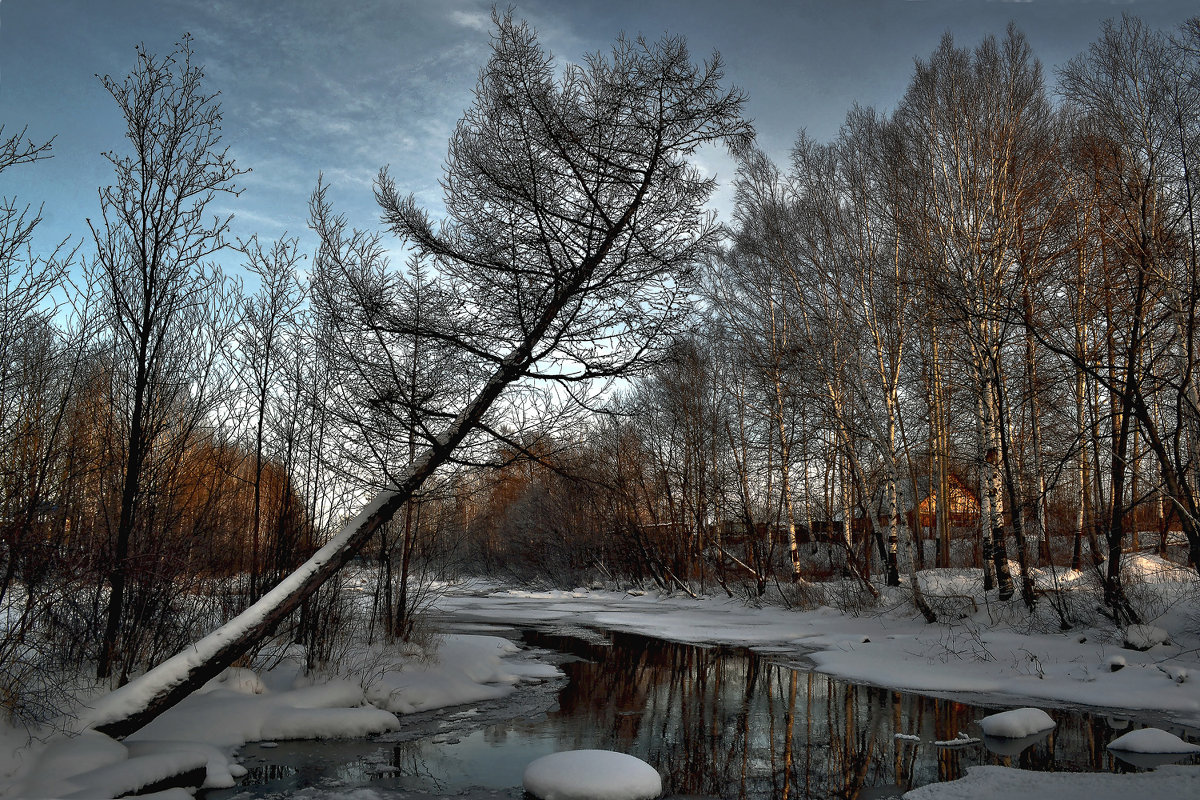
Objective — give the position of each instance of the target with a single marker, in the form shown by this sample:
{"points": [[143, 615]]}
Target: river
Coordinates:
{"points": [[715, 722]]}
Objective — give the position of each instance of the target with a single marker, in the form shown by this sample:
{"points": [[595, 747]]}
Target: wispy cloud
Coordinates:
{"points": [[475, 20]]}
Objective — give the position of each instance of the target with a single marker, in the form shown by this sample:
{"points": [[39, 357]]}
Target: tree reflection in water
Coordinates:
{"points": [[715, 722], [727, 723]]}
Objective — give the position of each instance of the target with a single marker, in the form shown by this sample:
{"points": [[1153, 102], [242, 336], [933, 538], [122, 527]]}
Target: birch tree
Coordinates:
{"points": [[1135, 91], [964, 119]]}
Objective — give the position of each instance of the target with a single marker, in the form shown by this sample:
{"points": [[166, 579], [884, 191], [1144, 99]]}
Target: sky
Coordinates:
{"points": [[345, 87]]}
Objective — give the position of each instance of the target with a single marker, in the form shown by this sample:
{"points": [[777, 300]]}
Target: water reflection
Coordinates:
{"points": [[715, 722], [727, 723]]}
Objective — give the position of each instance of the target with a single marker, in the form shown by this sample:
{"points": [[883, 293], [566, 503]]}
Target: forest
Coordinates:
{"points": [[961, 334]]}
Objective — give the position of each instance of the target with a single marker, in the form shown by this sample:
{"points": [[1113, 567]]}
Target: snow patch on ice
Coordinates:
{"points": [[961, 740], [227, 718], [592, 775], [1152, 740], [468, 669], [1017, 723]]}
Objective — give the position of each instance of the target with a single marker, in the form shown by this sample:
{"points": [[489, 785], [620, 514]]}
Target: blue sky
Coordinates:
{"points": [[347, 87]]}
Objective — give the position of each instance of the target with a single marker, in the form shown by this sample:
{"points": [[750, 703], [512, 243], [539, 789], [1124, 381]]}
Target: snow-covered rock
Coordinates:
{"points": [[1152, 740], [1143, 637], [1017, 723], [592, 775]]}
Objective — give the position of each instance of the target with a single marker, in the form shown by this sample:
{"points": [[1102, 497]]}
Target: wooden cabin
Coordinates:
{"points": [[922, 515]]}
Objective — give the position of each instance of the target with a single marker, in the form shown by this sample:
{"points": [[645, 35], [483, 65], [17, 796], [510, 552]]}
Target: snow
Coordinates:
{"points": [[220, 769], [64, 759], [962, 740], [993, 652], [1152, 740], [989, 649], [226, 718], [240, 706], [236, 679], [991, 781], [592, 775], [136, 694], [1017, 723], [1143, 637], [469, 669], [98, 771]]}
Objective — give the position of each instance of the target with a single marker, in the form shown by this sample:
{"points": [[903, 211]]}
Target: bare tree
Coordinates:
{"points": [[574, 223], [152, 239], [966, 120], [1135, 92], [26, 285], [264, 331]]}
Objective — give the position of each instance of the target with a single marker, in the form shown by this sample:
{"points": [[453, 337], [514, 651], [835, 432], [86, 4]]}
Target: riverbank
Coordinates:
{"points": [[984, 650], [196, 744], [996, 651]]}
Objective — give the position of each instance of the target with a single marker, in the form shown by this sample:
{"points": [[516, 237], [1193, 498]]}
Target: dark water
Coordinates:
{"points": [[715, 722]]}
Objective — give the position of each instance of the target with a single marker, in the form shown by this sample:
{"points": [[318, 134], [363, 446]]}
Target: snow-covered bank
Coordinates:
{"points": [[991, 781], [468, 669], [992, 652], [202, 734]]}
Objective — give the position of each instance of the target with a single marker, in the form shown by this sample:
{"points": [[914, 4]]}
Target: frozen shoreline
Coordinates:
{"points": [[890, 649], [993, 656]]}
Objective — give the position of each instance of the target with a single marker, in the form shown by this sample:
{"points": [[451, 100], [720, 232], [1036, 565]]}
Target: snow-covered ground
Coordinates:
{"points": [[988, 781], [991, 653], [204, 732], [984, 649]]}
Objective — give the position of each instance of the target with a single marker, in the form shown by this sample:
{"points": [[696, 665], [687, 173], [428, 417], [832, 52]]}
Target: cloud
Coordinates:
{"points": [[475, 20]]}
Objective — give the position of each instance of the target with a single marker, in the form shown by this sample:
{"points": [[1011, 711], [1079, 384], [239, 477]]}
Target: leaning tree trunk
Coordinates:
{"points": [[137, 703], [134, 705]]}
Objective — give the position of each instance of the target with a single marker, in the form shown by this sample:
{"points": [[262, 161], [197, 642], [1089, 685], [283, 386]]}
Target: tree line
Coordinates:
{"points": [[982, 304], [169, 447], [984, 298]]}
